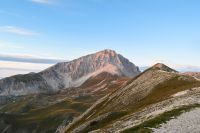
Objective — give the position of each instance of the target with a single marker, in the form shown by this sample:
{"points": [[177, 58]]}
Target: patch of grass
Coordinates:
{"points": [[45, 119], [147, 126], [101, 123], [16, 106], [84, 118]]}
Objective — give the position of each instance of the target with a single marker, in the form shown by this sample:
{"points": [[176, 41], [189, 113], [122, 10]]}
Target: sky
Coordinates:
{"points": [[35, 34]]}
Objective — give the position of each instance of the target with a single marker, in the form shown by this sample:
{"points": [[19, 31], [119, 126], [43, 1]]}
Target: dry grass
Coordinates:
{"points": [[44, 119], [160, 92], [164, 91]]}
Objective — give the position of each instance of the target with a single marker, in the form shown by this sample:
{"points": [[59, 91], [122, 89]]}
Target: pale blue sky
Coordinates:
{"points": [[144, 31]]}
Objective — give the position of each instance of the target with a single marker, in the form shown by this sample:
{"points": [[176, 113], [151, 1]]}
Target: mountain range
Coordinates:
{"points": [[69, 74], [99, 93], [61, 92]]}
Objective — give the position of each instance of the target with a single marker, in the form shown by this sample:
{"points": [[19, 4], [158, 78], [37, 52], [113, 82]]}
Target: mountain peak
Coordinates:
{"points": [[159, 65], [70, 74], [105, 60], [163, 67], [106, 52]]}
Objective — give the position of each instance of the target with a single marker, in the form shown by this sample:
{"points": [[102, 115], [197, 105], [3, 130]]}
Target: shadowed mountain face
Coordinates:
{"points": [[119, 109], [69, 74]]}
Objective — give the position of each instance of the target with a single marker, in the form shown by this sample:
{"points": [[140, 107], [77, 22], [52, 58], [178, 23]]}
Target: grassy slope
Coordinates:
{"points": [[164, 91], [47, 118], [161, 92]]}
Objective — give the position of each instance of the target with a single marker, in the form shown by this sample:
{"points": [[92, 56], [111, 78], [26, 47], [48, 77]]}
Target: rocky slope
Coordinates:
{"points": [[185, 123], [69, 74], [153, 92]]}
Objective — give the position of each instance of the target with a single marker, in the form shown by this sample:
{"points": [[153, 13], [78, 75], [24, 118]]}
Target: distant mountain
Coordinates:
{"points": [[69, 74], [156, 90], [194, 74]]}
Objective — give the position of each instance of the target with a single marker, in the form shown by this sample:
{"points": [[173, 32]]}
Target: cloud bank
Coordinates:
{"points": [[23, 64], [29, 59], [8, 68]]}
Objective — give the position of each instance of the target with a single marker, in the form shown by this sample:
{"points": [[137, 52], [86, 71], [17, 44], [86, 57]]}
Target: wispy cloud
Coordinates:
{"points": [[29, 59], [22, 64], [17, 30], [42, 1]]}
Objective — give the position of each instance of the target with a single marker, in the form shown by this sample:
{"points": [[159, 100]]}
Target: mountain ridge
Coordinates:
{"points": [[150, 87]]}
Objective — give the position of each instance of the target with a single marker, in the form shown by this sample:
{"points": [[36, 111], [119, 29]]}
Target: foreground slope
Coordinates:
{"points": [[68, 74], [149, 93], [186, 122]]}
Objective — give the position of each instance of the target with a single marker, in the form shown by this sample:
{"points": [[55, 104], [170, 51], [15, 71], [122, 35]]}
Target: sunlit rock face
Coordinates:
{"points": [[69, 74]]}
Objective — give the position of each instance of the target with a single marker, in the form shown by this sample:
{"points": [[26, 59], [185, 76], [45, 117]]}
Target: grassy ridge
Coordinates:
{"points": [[164, 91], [160, 92]]}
